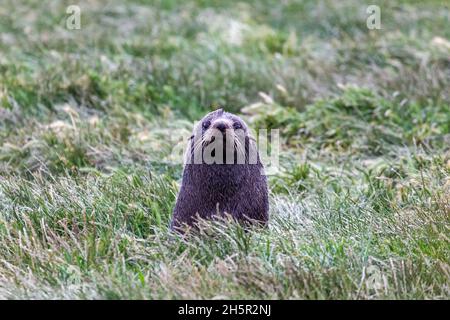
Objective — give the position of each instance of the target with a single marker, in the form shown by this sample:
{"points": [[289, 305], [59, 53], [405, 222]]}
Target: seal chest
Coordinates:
{"points": [[222, 174]]}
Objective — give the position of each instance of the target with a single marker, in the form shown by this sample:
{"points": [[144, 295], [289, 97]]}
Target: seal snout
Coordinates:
{"points": [[221, 125]]}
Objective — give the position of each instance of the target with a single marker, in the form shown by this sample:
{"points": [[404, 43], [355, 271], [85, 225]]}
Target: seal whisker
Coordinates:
{"points": [[239, 148]]}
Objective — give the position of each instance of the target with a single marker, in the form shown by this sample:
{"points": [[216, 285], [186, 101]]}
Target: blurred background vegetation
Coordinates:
{"points": [[88, 119]]}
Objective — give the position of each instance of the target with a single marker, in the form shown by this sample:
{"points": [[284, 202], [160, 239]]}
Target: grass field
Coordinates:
{"points": [[360, 208]]}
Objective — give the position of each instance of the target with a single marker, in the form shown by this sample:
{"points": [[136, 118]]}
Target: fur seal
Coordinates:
{"points": [[222, 175]]}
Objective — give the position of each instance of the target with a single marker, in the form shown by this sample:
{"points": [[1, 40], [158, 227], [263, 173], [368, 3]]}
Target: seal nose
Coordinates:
{"points": [[221, 126]]}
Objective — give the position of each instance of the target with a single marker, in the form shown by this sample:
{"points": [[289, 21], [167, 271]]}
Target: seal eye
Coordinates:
{"points": [[206, 124], [237, 125]]}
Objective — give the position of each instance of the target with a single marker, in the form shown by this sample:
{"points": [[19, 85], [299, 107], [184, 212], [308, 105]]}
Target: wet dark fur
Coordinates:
{"points": [[208, 190]]}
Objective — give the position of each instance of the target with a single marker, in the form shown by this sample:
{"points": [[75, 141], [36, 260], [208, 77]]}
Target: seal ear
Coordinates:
{"points": [[191, 137]]}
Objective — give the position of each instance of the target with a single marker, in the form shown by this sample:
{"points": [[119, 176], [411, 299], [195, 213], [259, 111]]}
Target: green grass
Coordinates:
{"points": [[360, 208]]}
